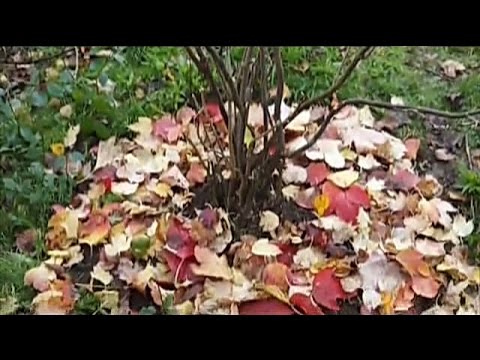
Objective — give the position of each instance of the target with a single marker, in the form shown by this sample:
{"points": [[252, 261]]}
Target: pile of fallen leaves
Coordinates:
{"points": [[384, 240]]}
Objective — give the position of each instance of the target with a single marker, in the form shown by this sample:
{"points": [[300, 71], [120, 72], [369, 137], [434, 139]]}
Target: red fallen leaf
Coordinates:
{"points": [[209, 218], [213, 111], [276, 274], [404, 180], [196, 174], [107, 172], [179, 240], [412, 145], [167, 129], [305, 304], [345, 204], [265, 307], [181, 268], [317, 173], [327, 289], [288, 251], [107, 182]]}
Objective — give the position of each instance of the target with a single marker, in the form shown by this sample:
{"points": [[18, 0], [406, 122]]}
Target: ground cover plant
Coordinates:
{"points": [[239, 181]]}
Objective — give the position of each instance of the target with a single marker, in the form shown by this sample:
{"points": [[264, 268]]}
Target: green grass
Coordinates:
{"points": [[167, 81]]}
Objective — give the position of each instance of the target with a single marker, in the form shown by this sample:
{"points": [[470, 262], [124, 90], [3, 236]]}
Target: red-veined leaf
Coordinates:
{"points": [[327, 289]]}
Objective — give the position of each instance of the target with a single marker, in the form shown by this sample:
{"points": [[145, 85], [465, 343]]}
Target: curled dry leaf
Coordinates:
{"points": [[412, 145], [276, 274], [444, 155], [167, 129], [25, 241], [327, 150], [294, 174], [290, 192], [174, 177], [262, 247], [211, 265], [71, 137], [452, 68], [404, 180], [196, 174], [39, 278], [367, 162], [461, 227], [269, 221], [101, 275]]}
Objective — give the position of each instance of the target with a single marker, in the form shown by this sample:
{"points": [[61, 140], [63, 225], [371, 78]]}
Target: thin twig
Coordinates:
{"points": [[333, 88], [202, 65], [306, 104], [75, 72], [470, 165], [420, 109], [224, 73], [319, 132], [280, 79]]}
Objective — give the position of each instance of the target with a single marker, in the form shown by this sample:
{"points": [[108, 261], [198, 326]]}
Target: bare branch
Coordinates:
{"points": [[202, 65], [420, 109], [319, 132], [228, 79], [280, 80], [335, 86], [306, 104]]}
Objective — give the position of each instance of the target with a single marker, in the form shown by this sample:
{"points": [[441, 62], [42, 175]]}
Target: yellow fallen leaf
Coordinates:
{"points": [[343, 179], [185, 308], [388, 302], [109, 299], [349, 154], [274, 291], [142, 126], [58, 149], [163, 190], [248, 139], [321, 204]]}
